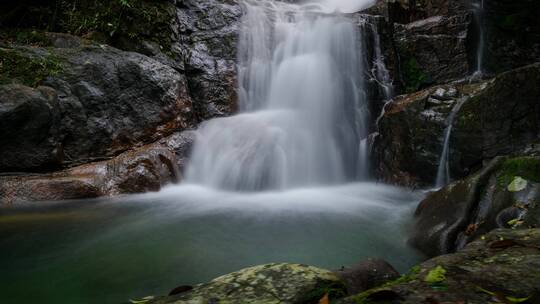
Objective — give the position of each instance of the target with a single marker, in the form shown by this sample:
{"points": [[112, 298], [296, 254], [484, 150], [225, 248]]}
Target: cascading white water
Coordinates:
{"points": [[478, 13], [302, 100]]}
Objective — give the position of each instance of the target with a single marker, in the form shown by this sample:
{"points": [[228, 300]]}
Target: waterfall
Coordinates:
{"points": [[443, 171], [478, 13], [303, 110]]}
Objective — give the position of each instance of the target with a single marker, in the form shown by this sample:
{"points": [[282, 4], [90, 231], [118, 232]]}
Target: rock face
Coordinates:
{"points": [[209, 32], [270, 283], [67, 100], [102, 101], [500, 267], [145, 169], [505, 194], [29, 128], [433, 50], [497, 117]]}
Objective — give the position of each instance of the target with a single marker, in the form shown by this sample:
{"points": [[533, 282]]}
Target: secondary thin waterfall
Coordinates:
{"points": [[443, 171], [303, 111]]}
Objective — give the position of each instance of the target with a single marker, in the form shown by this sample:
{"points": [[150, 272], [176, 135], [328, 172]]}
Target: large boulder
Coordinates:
{"points": [[145, 169], [501, 267], [270, 283], [505, 194], [498, 117], [29, 128], [105, 100]]}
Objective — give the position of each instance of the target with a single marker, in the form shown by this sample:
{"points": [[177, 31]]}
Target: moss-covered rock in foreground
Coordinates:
{"points": [[270, 284], [500, 267]]}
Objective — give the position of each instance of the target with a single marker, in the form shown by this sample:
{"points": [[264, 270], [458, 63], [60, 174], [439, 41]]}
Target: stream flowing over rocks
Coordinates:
{"points": [[108, 99]]}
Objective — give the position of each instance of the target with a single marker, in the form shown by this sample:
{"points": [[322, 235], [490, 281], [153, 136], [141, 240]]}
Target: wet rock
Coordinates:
{"points": [[181, 144], [145, 169], [459, 213], [433, 50], [485, 271], [29, 128], [500, 116], [512, 34], [367, 274], [209, 34], [270, 283], [107, 101]]}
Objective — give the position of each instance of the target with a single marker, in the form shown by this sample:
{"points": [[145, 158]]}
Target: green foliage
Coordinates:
{"points": [[413, 75], [132, 19], [28, 70], [363, 298], [120, 23], [333, 290], [25, 37], [527, 168]]}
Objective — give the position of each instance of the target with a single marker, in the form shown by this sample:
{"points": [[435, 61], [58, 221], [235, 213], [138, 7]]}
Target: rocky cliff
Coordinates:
{"points": [[87, 85]]}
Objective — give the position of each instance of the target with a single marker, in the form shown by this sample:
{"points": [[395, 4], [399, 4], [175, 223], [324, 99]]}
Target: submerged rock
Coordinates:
{"points": [[499, 267], [457, 214], [500, 116], [270, 283]]}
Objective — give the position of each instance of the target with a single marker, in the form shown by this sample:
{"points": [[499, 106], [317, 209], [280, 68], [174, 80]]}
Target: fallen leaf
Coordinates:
{"points": [[517, 184], [324, 300]]}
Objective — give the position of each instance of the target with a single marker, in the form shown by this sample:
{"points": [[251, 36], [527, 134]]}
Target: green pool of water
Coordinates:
{"points": [[108, 251]]}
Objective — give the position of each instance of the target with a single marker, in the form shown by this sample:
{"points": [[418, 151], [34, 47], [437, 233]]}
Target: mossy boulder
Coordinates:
{"points": [[505, 194], [108, 100], [270, 284], [499, 267]]}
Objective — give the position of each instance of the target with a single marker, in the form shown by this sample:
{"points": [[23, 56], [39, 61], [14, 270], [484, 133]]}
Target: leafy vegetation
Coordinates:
{"points": [[116, 22], [24, 69], [414, 76], [527, 168]]}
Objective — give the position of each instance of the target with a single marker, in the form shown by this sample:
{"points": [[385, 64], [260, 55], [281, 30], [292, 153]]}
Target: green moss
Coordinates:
{"points": [[25, 37], [28, 70], [363, 298], [334, 290], [525, 167], [133, 20], [413, 75]]}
